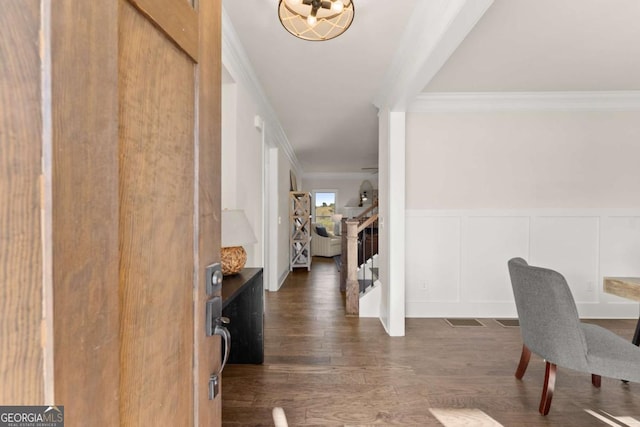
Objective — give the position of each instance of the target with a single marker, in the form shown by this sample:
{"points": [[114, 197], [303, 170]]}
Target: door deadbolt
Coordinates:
{"points": [[213, 277]]}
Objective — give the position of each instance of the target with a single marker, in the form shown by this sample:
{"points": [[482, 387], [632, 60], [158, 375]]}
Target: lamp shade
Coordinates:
{"points": [[236, 230]]}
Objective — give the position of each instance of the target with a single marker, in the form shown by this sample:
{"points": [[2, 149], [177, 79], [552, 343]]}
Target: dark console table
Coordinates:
{"points": [[242, 303]]}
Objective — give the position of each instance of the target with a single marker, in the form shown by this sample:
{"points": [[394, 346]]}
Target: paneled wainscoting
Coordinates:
{"points": [[326, 369], [456, 261]]}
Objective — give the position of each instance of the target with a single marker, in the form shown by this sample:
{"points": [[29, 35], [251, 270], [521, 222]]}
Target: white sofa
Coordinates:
{"points": [[325, 246]]}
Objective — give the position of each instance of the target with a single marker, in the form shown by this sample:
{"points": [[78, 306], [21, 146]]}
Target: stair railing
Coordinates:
{"points": [[355, 254]]}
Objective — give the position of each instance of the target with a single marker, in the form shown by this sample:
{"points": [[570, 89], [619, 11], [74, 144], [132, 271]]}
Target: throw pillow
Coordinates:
{"points": [[321, 231]]}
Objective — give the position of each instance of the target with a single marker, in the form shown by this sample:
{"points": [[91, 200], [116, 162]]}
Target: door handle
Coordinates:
{"points": [[221, 330], [215, 325], [214, 379]]}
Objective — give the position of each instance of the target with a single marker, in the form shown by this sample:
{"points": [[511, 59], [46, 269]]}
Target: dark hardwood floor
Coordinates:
{"points": [[325, 369]]}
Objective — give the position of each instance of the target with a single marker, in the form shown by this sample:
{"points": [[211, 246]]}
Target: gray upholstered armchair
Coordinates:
{"points": [[551, 328]]}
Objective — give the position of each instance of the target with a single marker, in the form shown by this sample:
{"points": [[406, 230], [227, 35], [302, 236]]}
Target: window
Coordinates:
{"points": [[324, 202]]}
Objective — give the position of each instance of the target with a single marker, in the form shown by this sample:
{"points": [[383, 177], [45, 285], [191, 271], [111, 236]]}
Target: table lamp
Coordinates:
{"points": [[337, 224], [236, 232]]}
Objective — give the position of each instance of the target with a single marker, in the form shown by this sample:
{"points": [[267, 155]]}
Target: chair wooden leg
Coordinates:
{"points": [[524, 362], [596, 380], [547, 390]]}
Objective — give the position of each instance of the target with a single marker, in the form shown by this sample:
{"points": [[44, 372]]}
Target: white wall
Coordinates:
{"points": [[228, 132], [243, 174], [249, 181], [560, 189], [242, 163], [523, 160]]}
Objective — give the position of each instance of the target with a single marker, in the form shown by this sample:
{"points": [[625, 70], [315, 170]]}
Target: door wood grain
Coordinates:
{"points": [[156, 82], [85, 256], [21, 255], [109, 208]]}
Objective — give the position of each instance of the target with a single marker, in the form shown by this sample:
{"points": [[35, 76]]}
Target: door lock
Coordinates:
{"points": [[213, 278]]}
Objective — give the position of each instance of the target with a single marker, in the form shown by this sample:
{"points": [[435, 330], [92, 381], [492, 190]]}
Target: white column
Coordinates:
{"points": [[392, 220]]}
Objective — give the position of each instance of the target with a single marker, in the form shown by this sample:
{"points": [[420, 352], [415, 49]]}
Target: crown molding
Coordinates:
{"points": [[236, 61], [436, 29], [459, 102], [356, 176]]}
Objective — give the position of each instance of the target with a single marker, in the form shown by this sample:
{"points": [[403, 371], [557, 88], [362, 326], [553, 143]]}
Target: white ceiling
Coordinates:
{"points": [[548, 45], [323, 92]]}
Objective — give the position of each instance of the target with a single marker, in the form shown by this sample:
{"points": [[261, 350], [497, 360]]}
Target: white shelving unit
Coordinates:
{"points": [[300, 237]]}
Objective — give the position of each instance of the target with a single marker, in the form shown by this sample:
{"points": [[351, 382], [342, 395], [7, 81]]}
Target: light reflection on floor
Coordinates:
{"points": [[477, 418], [463, 417], [612, 420]]}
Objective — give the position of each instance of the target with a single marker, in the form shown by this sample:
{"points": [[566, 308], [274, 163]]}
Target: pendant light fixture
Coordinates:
{"points": [[316, 20]]}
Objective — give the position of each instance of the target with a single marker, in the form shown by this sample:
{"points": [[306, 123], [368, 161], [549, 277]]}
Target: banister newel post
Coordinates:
{"points": [[353, 287]]}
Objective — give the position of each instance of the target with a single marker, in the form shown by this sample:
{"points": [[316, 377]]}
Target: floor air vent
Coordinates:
{"points": [[463, 322], [508, 323]]}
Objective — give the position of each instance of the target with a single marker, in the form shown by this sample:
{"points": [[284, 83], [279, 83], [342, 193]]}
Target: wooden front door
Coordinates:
{"points": [[162, 331], [109, 208]]}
